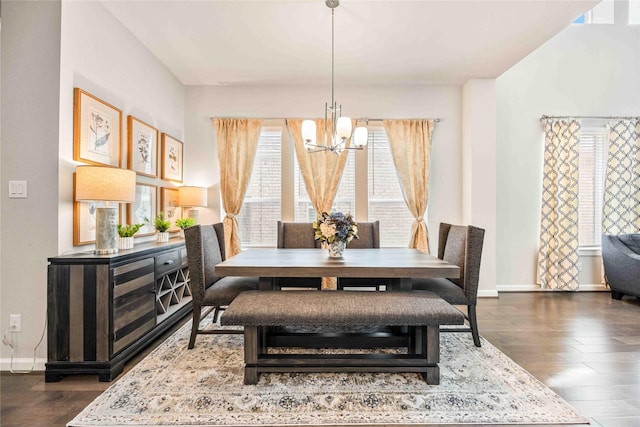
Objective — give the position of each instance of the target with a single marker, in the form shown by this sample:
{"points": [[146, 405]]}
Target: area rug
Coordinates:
{"points": [[174, 386]]}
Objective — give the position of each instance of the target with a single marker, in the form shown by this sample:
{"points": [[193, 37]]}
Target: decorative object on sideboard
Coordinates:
{"points": [[192, 197], [162, 225], [100, 183], [125, 235], [183, 223], [337, 129], [96, 130], [334, 231]]}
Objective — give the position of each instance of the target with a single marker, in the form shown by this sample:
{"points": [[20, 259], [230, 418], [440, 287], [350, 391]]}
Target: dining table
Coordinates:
{"points": [[398, 265]]}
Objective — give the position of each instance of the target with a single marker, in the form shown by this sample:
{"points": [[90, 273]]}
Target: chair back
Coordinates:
{"points": [[368, 236], [296, 235], [203, 253], [462, 246]]}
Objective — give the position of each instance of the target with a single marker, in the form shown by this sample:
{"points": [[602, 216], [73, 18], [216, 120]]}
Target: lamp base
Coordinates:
{"points": [[194, 213], [106, 231]]}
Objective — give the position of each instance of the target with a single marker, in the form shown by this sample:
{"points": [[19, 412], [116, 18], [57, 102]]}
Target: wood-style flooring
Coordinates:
{"points": [[585, 346]]}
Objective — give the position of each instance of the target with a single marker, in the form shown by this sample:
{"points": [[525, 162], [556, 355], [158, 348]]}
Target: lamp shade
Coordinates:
{"points": [[360, 136], [309, 131], [100, 183], [190, 196]]}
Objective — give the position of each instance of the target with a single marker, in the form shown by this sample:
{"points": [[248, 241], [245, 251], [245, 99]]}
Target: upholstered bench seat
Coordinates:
{"points": [[420, 312]]}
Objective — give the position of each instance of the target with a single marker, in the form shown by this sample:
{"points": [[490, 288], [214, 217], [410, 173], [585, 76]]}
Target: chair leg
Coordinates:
{"points": [[473, 323], [197, 310], [616, 295]]}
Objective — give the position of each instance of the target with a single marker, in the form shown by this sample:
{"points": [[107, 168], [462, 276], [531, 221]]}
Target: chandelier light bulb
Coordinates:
{"points": [[360, 136], [343, 127], [309, 132]]}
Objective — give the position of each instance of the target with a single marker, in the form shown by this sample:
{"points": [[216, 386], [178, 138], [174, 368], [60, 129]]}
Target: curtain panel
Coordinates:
{"points": [[621, 205], [558, 249], [237, 141], [321, 171], [410, 143]]}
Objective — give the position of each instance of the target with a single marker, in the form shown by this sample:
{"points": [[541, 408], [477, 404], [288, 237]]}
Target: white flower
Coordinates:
{"points": [[327, 230]]}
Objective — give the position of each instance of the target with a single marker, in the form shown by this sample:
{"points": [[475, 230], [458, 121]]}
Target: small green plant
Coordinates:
{"points": [[185, 222], [125, 230], [161, 224]]}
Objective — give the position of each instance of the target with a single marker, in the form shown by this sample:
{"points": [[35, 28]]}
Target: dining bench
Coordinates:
{"points": [[419, 313]]}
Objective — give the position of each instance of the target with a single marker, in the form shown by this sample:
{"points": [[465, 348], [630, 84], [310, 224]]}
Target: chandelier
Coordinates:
{"points": [[335, 136]]}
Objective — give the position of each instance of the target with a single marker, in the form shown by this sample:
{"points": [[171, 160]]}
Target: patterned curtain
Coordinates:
{"points": [[621, 207], [558, 251], [237, 141]]}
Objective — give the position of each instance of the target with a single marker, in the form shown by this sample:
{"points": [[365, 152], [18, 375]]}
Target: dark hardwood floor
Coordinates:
{"points": [[585, 346]]}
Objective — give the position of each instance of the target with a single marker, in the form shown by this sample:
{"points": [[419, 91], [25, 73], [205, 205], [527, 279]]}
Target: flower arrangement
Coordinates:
{"points": [[334, 227]]}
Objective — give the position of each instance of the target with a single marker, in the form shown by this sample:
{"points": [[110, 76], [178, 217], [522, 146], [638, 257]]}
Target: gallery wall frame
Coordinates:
{"points": [[97, 129], [172, 156], [142, 142], [169, 205], [144, 209]]}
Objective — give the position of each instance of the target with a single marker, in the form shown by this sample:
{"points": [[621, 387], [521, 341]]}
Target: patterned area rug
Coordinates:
{"points": [[203, 387]]}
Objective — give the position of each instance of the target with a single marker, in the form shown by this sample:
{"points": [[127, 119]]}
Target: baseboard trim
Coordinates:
{"points": [[490, 293], [22, 365], [587, 287]]}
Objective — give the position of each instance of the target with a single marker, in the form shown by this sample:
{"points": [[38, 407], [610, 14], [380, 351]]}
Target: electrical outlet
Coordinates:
{"points": [[15, 323]]}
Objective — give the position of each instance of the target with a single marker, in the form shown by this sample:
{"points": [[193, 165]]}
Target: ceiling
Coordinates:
{"points": [[376, 42]]}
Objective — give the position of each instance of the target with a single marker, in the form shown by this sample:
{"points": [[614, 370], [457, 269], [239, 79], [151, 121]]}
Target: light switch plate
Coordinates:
{"points": [[17, 189]]}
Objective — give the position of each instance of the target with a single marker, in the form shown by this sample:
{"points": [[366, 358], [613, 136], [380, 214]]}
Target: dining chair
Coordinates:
{"points": [[205, 249], [368, 238], [462, 246], [297, 235]]}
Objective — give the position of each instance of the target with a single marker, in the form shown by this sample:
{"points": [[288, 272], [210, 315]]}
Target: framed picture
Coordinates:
{"points": [[143, 147], [169, 205], [84, 219], [171, 158], [96, 130], [144, 209]]}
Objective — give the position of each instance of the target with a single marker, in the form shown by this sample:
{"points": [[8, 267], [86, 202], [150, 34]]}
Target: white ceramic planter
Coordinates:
{"points": [[125, 242], [163, 236]]}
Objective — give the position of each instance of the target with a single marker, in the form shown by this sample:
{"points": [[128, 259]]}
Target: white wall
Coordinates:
{"points": [[103, 58], [588, 70], [70, 44], [445, 198]]}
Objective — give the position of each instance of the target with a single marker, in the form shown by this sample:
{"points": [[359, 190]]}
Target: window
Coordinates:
{"points": [[385, 200], [634, 12], [265, 203], [592, 167], [261, 206], [602, 13]]}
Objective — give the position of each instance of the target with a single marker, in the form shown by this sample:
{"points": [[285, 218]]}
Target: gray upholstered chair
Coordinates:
{"points": [[297, 235], [368, 238], [621, 259], [462, 246], [205, 249]]}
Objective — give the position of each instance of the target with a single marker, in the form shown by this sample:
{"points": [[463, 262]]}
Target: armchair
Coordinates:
{"points": [[621, 259]]}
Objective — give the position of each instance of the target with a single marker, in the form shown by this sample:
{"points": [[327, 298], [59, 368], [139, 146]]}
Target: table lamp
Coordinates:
{"points": [[98, 183], [192, 197]]}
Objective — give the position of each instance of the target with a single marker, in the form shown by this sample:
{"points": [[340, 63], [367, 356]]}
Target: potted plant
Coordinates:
{"points": [[185, 223], [161, 224], [125, 233]]}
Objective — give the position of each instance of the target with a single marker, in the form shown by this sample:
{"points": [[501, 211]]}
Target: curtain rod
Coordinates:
{"points": [[544, 117], [436, 120]]}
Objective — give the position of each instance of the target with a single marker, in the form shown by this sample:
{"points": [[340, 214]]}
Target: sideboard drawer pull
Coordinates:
{"points": [[168, 262]]}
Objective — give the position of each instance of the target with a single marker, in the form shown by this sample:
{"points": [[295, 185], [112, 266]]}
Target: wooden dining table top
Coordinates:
{"points": [[380, 262]]}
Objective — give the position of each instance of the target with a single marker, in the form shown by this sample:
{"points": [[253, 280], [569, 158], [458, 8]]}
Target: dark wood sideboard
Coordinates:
{"points": [[103, 309]]}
